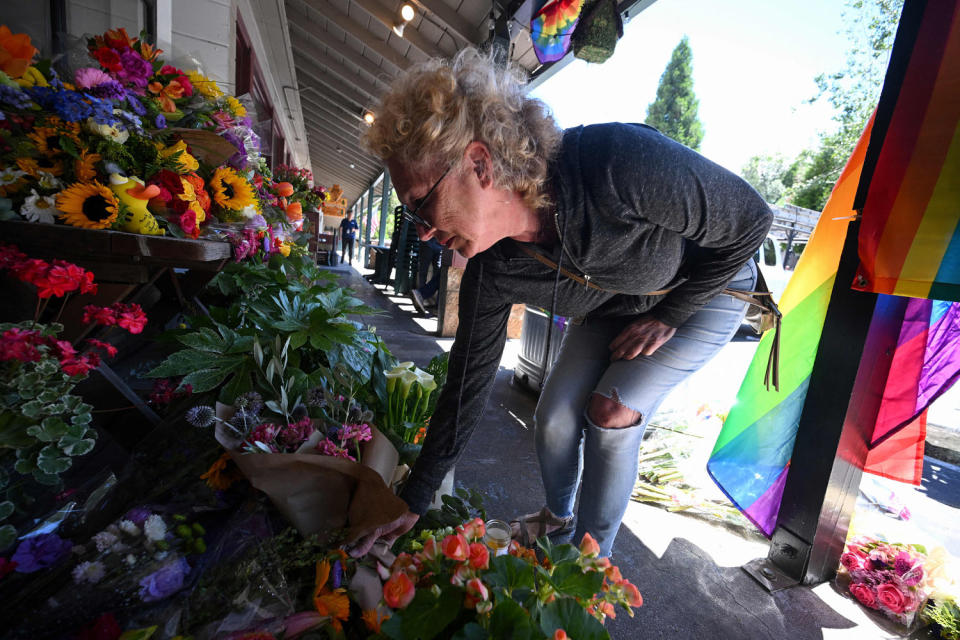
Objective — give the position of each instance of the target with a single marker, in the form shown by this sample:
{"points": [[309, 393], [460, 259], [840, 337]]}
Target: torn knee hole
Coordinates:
{"points": [[610, 413]]}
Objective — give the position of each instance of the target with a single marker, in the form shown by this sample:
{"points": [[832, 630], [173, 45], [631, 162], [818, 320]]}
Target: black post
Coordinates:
{"points": [[831, 446]]}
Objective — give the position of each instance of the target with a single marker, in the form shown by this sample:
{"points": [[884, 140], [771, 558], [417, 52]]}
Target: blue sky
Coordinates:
{"points": [[754, 63]]}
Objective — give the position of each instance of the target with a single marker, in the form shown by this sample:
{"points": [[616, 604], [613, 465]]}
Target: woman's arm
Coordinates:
{"points": [[474, 360]]}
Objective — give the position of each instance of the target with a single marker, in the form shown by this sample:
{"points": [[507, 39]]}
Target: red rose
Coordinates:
{"points": [[891, 598], [398, 591], [170, 187], [850, 560], [187, 86], [108, 59], [864, 594]]}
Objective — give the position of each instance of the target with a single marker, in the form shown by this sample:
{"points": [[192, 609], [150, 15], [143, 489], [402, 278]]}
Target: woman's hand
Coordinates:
{"points": [[388, 532], [641, 337]]}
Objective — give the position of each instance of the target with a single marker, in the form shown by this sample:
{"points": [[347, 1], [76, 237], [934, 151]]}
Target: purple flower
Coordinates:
{"points": [[14, 97], [160, 121], [136, 105], [111, 90], [165, 581], [902, 563], [138, 515], [135, 69], [40, 551], [71, 106], [336, 574]]}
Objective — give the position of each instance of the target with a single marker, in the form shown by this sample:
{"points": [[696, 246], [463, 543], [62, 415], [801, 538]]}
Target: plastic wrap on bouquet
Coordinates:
{"points": [[319, 493]]}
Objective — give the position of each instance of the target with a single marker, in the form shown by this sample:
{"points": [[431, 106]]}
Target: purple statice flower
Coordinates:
{"points": [[336, 574], [71, 106], [165, 581], [111, 90], [40, 551], [160, 121], [138, 515], [135, 71], [136, 105], [129, 120], [14, 97]]}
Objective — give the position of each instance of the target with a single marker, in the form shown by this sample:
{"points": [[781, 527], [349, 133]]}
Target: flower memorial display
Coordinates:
{"points": [[132, 143], [888, 577], [42, 423]]}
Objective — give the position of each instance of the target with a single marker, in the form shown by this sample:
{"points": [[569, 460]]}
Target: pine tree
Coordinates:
{"points": [[674, 111]]}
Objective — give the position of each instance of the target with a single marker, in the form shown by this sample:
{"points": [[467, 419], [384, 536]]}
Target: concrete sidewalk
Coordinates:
{"points": [[687, 570]]}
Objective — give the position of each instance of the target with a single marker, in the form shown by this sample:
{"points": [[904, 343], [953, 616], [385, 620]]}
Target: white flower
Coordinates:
{"points": [[129, 528], [131, 559], [112, 132], [104, 541], [91, 572], [48, 181], [249, 211], [37, 208], [10, 175], [155, 528]]}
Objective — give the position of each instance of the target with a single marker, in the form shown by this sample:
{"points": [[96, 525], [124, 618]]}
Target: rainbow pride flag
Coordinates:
{"points": [[910, 187], [751, 457], [552, 27]]}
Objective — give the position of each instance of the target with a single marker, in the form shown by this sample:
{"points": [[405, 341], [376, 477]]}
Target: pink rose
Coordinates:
{"points": [[864, 594], [891, 597], [850, 561]]}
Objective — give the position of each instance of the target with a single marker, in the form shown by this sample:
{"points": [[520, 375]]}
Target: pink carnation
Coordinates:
{"points": [[328, 447], [88, 78]]}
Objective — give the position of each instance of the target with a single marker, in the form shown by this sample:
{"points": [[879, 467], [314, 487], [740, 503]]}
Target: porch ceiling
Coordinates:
{"points": [[346, 54]]}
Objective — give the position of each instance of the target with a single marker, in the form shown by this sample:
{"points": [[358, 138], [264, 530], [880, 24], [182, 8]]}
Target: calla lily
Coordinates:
{"points": [[407, 378], [392, 377], [426, 380]]}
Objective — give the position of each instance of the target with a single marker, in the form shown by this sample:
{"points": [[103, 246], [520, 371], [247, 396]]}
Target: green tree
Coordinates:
{"points": [[765, 173], [853, 92], [674, 111]]}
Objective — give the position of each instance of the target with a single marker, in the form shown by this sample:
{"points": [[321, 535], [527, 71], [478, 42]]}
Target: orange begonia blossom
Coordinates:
{"points": [[455, 547], [560, 634], [589, 546], [16, 52], [330, 602], [398, 590]]}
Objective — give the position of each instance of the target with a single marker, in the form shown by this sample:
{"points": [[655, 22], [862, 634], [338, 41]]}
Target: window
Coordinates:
{"points": [[243, 69], [769, 253]]}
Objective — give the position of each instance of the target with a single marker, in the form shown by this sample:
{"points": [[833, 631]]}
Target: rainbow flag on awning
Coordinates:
{"points": [[910, 188], [552, 27], [752, 454]]}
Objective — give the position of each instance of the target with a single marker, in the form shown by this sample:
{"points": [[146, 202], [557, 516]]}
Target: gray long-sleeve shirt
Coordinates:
{"points": [[642, 213]]}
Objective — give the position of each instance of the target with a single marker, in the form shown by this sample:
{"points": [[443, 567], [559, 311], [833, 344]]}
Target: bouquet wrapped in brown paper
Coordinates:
{"points": [[319, 478]]}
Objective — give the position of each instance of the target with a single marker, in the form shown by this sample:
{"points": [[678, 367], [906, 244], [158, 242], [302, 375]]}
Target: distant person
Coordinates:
{"points": [[430, 253], [348, 233]]}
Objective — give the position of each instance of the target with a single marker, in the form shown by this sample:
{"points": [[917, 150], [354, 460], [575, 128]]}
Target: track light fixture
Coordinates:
{"points": [[368, 117], [404, 15]]}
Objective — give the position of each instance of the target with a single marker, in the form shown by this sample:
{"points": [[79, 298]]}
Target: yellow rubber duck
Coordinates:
{"points": [[134, 194]]}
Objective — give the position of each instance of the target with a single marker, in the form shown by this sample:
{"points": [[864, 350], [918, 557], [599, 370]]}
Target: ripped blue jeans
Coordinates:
{"points": [[572, 450]]}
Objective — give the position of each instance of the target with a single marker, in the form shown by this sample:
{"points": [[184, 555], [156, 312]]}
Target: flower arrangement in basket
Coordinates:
{"points": [[887, 577]]}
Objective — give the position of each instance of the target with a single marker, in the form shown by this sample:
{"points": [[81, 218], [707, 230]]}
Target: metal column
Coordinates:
{"points": [[831, 446], [384, 205], [366, 249]]}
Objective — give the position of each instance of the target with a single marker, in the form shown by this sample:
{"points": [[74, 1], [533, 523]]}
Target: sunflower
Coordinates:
{"points": [[84, 166], [230, 191], [88, 205], [47, 139], [35, 167]]}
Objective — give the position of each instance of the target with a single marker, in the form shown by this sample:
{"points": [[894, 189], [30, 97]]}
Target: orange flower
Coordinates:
{"points": [[408, 564], [147, 52], [560, 634], [476, 592], [479, 556], [607, 610], [589, 546], [221, 474], [16, 52], [398, 590], [473, 530], [613, 574], [431, 552], [634, 599], [455, 547], [118, 39], [294, 211], [284, 189], [166, 94], [330, 602], [373, 620]]}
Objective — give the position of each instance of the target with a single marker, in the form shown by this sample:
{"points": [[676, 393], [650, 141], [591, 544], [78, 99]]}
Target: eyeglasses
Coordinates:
{"points": [[412, 215]]}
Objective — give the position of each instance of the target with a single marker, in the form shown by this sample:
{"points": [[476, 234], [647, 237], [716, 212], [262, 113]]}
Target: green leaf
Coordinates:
{"points": [[26, 465], [76, 446], [32, 409], [6, 508], [48, 395], [181, 363], [51, 461], [205, 379], [426, 616], [569, 615], [8, 535], [48, 479], [510, 620], [67, 145], [569, 579], [560, 553], [509, 573], [205, 339], [80, 420], [473, 631]]}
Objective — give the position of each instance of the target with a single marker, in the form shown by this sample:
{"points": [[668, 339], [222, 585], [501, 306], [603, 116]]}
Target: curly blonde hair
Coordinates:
{"points": [[436, 108]]}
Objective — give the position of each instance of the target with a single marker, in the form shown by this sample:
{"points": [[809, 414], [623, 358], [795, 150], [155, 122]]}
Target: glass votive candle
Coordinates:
{"points": [[497, 536]]}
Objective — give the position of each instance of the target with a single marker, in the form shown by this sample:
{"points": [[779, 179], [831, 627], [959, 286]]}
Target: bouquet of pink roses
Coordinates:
{"points": [[887, 577]]}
